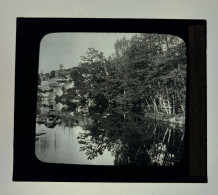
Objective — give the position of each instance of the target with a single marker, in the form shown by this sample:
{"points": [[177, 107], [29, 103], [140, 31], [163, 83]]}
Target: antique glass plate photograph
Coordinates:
{"points": [[111, 99]]}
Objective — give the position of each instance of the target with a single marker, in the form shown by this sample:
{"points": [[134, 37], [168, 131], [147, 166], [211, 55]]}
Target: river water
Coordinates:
{"points": [[111, 144], [60, 145]]}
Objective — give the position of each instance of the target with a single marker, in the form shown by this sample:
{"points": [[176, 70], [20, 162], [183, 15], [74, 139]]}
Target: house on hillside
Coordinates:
{"points": [[45, 95], [48, 84], [44, 80], [44, 110], [60, 79], [68, 76], [45, 87], [68, 85], [52, 83], [58, 91]]}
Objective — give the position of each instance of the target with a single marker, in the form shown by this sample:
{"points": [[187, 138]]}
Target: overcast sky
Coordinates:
{"points": [[66, 48]]}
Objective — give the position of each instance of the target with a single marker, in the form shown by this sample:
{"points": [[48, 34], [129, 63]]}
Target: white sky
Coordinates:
{"points": [[66, 48]]}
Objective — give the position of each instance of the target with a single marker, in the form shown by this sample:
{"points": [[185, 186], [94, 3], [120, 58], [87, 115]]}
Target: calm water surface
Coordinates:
{"points": [[60, 145], [109, 144]]}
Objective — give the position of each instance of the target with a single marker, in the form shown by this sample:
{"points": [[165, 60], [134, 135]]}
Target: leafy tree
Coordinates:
{"points": [[92, 55], [52, 74]]}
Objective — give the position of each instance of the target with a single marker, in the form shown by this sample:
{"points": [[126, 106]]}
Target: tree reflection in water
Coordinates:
{"points": [[132, 140], [43, 145]]}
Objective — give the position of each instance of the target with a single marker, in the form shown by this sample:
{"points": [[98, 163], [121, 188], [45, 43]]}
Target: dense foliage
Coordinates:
{"points": [[146, 73]]}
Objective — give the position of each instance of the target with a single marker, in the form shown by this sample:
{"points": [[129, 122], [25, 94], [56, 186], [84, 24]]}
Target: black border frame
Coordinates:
{"points": [[27, 167]]}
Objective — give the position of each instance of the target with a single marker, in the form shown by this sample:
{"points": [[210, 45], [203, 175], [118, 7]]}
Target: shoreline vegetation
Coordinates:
{"points": [[137, 92], [145, 74]]}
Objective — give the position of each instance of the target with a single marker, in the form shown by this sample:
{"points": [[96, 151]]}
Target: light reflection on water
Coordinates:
{"points": [[60, 145], [150, 144]]}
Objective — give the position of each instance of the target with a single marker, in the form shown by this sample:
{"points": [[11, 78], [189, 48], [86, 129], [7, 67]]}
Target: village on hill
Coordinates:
{"points": [[54, 97]]}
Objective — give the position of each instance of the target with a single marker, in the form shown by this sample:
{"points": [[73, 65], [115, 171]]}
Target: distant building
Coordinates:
{"points": [[47, 84], [68, 76], [58, 91], [45, 87], [45, 94], [44, 110], [44, 80], [68, 85], [52, 82]]}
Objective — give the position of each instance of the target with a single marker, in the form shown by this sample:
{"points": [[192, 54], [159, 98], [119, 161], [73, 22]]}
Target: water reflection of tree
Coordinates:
{"points": [[132, 140], [124, 131], [43, 145]]}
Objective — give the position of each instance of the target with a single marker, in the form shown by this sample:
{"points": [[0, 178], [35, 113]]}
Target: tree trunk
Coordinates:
{"points": [[173, 107], [148, 105], [154, 103], [169, 106], [164, 105], [165, 135], [183, 109], [155, 129], [169, 136]]}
